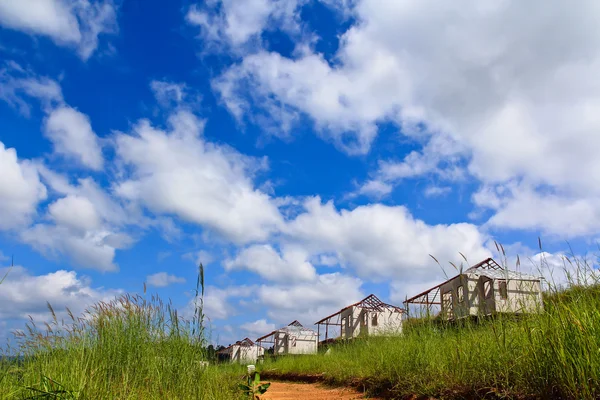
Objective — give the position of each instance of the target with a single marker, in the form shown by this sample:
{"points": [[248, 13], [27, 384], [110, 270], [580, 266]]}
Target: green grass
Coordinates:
{"points": [[555, 354], [130, 348], [139, 348]]}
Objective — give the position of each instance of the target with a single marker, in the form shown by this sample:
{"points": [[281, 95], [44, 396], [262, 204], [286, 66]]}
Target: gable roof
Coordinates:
{"points": [[371, 303], [293, 327], [246, 342], [487, 267]]}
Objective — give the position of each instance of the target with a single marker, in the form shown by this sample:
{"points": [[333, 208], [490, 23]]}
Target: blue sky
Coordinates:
{"points": [[307, 152]]}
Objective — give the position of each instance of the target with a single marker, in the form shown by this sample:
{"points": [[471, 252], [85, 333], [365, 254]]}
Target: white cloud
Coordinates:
{"points": [[75, 212], [162, 279], [90, 249], [441, 157], [178, 172], [68, 129], [24, 294], [402, 290], [20, 190], [309, 301], [433, 191], [374, 188], [106, 206], [217, 300], [72, 23], [16, 82], [380, 242], [200, 256], [520, 206], [237, 22], [86, 225], [71, 133], [290, 266], [170, 94], [516, 113], [258, 328]]}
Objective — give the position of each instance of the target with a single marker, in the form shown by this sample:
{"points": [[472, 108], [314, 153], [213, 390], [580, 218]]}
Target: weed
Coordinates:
{"points": [[552, 354], [253, 387]]}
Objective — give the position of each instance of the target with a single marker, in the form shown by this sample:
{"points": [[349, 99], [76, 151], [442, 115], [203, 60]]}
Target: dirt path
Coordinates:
{"points": [[309, 391]]}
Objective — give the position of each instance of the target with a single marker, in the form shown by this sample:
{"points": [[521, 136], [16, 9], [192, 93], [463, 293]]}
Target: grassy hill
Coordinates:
{"points": [[555, 354], [139, 348]]}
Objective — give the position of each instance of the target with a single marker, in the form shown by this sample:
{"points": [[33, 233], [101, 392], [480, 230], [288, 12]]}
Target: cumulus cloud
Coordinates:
{"points": [[25, 294], [379, 241], [258, 328], [17, 84], [518, 205], [75, 212], [72, 23], [171, 94], [434, 191], [458, 72], [178, 172], [199, 257], [217, 301], [20, 189], [90, 249], [163, 279], [234, 23], [290, 265], [374, 188], [309, 301], [68, 129], [85, 225], [71, 133]]}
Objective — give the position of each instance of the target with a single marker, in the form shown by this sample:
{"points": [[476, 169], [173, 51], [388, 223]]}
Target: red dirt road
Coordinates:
{"points": [[309, 391]]}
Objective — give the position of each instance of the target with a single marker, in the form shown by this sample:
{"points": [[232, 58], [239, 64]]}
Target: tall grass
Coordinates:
{"points": [[128, 348], [553, 354]]}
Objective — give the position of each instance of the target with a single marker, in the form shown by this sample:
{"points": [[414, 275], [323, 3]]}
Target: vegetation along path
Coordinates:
{"points": [[313, 391]]}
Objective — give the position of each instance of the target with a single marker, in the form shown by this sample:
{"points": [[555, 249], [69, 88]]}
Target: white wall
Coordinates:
{"points": [[289, 343], [357, 321], [388, 323], [523, 296], [246, 354], [304, 344]]}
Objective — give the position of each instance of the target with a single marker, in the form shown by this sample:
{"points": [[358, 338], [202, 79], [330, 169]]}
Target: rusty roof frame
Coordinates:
{"points": [[487, 264], [245, 342], [371, 303], [431, 296], [294, 323]]}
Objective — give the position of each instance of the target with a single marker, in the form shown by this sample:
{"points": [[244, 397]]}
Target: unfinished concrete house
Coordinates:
{"points": [[291, 339], [484, 289], [243, 351], [370, 316]]}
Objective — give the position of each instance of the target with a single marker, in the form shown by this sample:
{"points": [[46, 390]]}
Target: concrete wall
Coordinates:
{"points": [[246, 354], [452, 307], [289, 343], [304, 344], [387, 323], [521, 296], [357, 321]]}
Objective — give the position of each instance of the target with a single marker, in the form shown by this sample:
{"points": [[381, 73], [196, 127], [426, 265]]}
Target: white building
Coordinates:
{"points": [[243, 351], [484, 289], [291, 339], [368, 317]]}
